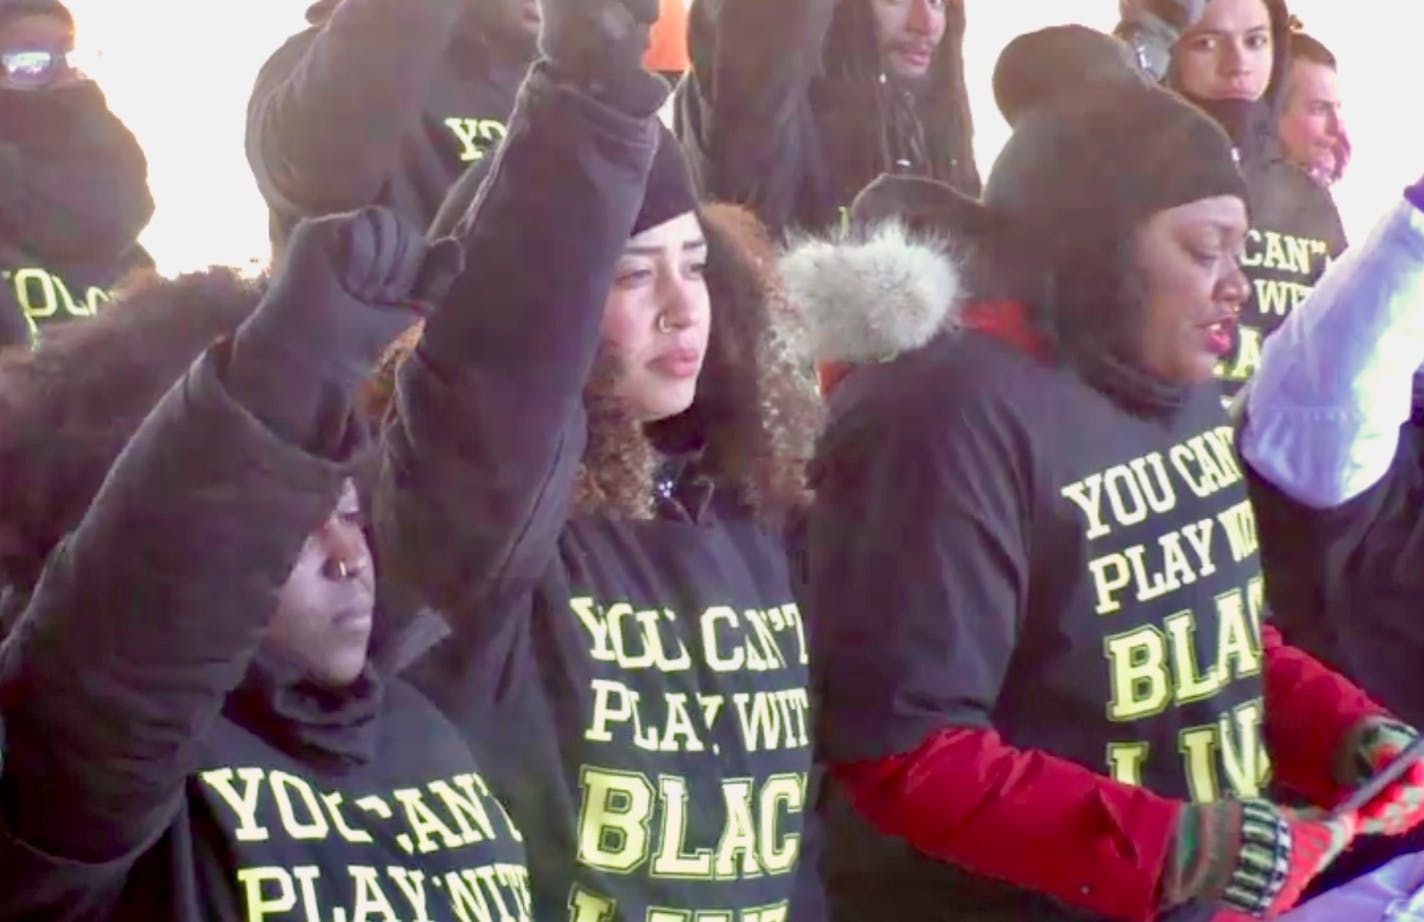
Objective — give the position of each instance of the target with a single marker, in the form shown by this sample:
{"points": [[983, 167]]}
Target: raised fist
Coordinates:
{"points": [[594, 38], [347, 287], [377, 258]]}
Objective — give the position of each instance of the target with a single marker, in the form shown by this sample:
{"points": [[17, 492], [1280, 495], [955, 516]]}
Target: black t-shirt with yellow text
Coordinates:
{"points": [[1295, 234], [650, 728], [997, 544]]}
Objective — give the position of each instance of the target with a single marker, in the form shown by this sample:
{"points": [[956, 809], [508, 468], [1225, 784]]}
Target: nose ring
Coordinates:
{"points": [[664, 324]]}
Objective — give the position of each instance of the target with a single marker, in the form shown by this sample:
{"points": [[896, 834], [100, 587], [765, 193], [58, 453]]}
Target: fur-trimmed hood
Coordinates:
{"points": [[870, 295]]}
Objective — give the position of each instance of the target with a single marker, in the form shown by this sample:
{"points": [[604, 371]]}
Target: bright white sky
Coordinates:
{"points": [[185, 98]]}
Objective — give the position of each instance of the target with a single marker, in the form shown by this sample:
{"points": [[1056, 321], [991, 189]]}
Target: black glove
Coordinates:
{"points": [[347, 287], [601, 44], [1152, 28]]}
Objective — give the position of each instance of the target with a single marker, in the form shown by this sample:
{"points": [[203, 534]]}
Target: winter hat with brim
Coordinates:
{"points": [[12, 8], [1095, 151], [669, 191]]}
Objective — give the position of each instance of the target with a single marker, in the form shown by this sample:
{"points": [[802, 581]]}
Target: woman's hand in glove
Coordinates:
{"points": [[1399, 808], [1251, 858]]}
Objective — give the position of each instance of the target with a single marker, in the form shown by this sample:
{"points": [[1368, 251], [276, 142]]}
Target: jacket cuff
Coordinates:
{"points": [[1311, 713], [1023, 817]]}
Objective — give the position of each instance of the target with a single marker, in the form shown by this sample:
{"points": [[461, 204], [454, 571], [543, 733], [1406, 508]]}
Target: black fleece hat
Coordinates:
{"points": [[1095, 150], [10, 8], [670, 191]]}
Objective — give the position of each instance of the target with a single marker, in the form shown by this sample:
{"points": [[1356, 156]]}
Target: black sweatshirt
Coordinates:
{"points": [[1044, 564], [73, 199], [379, 102], [155, 770], [38, 291], [637, 689], [1295, 234]]}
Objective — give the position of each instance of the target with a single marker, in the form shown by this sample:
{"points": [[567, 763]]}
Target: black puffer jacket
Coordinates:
{"points": [[786, 109]]}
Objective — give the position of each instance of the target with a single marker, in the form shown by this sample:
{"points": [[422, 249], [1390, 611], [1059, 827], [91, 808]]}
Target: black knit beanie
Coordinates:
{"points": [[10, 8], [669, 192], [1095, 150]]}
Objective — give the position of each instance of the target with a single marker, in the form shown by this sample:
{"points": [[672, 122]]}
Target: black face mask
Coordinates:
{"points": [[73, 180]]}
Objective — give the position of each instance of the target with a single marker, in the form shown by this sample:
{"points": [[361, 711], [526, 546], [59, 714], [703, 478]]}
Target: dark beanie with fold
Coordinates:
{"points": [[669, 191], [1095, 148], [9, 8]]}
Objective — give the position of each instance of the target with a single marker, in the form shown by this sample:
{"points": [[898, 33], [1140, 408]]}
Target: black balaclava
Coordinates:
{"points": [[669, 191], [73, 180]]}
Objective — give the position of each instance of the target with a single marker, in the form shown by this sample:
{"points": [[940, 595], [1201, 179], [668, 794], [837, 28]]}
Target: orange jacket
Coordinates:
{"points": [[667, 50]]}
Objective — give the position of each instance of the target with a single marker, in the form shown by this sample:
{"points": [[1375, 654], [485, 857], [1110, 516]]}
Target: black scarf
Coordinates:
{"points": [[1094, 319], [334, 729], [73, 180]]}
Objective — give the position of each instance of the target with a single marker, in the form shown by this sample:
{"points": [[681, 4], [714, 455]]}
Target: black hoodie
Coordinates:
{"points": [[641, 698], [155, 769], [378, 102], [73, 198], [1295, 228], [786, 109]]}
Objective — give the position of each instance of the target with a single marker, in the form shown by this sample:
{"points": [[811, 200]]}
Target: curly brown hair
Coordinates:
{"points": [[756, 415], [70, 406]]}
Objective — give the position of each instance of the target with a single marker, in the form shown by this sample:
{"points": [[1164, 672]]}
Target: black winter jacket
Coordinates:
{"points": [[647, 678], [378, 102], [155, 769]]}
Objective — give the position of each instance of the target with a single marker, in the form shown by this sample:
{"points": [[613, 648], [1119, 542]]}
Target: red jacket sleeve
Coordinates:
{"points": [[1309, 711], [1024, 817]]}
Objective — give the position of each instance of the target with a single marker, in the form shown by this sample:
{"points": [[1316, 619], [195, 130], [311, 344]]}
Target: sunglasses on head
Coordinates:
{"points": [[32, 68]]}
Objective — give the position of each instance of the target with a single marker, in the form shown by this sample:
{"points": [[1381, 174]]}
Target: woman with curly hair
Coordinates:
{"points": [[592, 453]]}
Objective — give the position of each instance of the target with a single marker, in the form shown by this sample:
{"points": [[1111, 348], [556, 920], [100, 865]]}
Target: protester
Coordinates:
{"points": [[791, 108], [1231, 60], [73, 181], [591, 456], [1310, 127], [1333, 439], [384, 102], [1042, 671], [193, 726]]}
